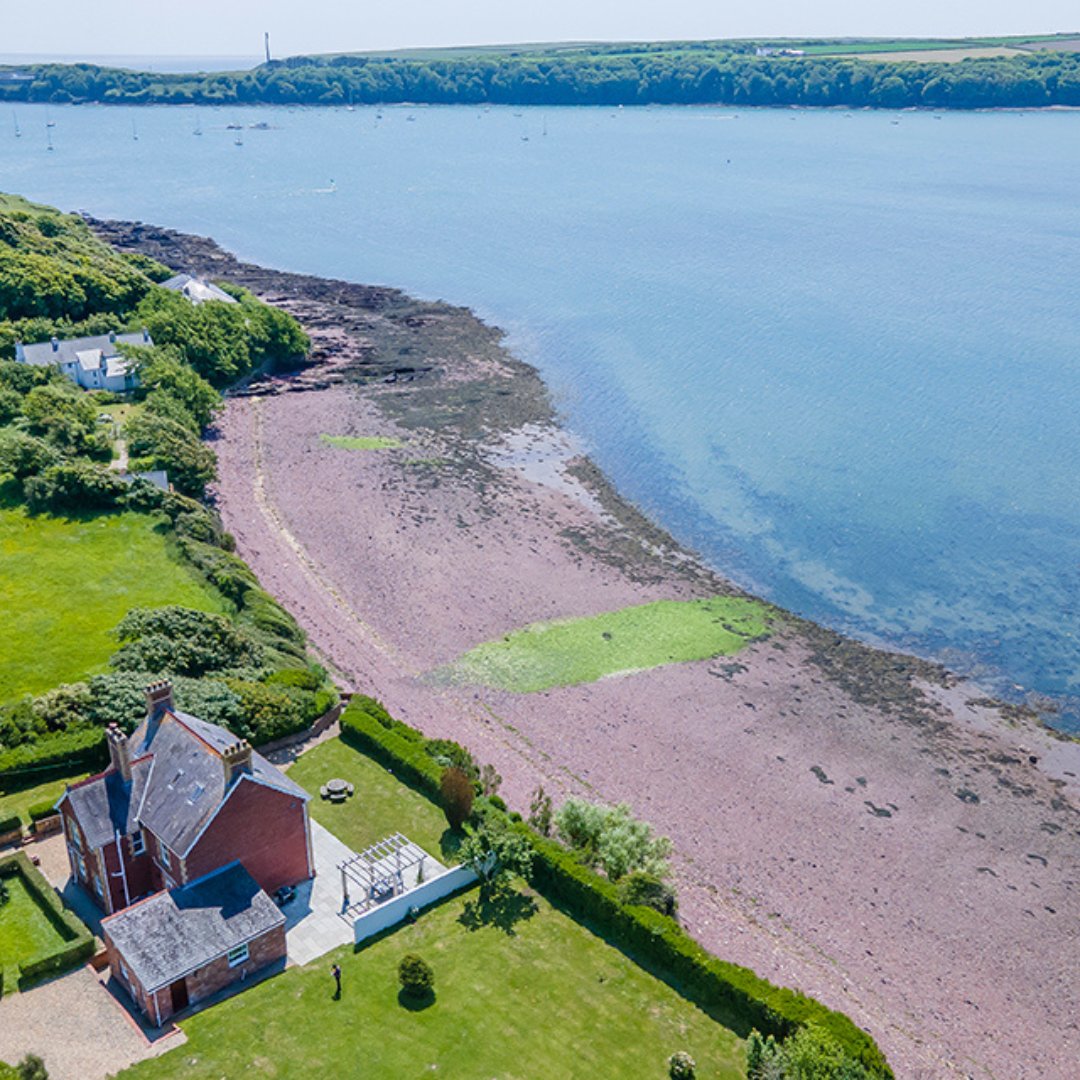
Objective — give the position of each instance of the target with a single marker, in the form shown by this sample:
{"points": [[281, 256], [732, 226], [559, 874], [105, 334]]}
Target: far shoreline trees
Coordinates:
{"points": [[686, 73]]}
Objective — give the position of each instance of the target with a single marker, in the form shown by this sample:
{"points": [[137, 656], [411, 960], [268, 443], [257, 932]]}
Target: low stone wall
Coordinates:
{"points": [[328, 719], [393, 911]]}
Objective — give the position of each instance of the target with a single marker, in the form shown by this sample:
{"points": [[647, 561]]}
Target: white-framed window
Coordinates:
{"points": [[76, 840], [238, 955], [81, 864], [138, 843], [98, 887], [124, 973], [166, 858]]}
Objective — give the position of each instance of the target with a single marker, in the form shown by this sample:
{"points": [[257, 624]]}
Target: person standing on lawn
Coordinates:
{"points": [[335, 970]]}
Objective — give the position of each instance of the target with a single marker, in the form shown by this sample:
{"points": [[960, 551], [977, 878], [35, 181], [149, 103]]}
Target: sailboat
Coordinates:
{"points": [[134, 132], [349, 107], [239, 140], [48, 138], [198, 127], [49, 121], [15, 117]]}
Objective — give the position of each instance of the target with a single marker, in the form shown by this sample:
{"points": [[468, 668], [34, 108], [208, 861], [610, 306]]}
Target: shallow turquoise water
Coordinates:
{"points": [[839, 354]]}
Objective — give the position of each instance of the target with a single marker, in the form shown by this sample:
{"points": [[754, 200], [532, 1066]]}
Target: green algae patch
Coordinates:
{"points": [[573, 651], [362, 442]]}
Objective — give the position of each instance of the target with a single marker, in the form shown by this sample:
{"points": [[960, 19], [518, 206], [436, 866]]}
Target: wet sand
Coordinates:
{"points": [[860, 825]]}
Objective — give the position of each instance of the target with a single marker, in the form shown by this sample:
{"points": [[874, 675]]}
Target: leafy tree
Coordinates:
{"points": [[23, 455], [32, 1068], [76, 487], [809, 1054], [164, 443], [648, 890], [490, 780], [163, 372], [610, 837], [496, 854], [62, 415], [457, 796], [182, 640], [540, 812]]}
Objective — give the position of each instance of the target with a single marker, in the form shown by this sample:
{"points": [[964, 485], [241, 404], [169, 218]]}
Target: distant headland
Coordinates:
{"points": [[1038, 71]]}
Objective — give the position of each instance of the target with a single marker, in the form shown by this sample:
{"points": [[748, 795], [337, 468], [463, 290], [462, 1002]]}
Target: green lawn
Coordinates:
{"points": [[19, 802], [66, 583], [573, 651], [381, 806], [362, 442], [538, 998], [25, 930]]}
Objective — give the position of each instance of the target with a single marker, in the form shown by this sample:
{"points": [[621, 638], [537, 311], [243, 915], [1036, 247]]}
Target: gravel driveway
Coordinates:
{"points": [[80, 1030]]}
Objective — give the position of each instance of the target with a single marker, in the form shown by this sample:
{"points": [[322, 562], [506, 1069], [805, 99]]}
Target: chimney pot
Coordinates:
{"points": [[55, 342], [145, 334], [236, 759], [112, 335], [119, 752]]}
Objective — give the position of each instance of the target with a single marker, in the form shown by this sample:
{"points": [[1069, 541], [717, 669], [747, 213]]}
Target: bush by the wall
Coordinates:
{"points": [[643, 933], [44, 809], [53, 755], [405, 757], [10, 824]]}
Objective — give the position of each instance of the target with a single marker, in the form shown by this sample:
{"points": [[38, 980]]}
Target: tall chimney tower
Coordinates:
{"points": [[236, 759], [119, 752], [159, 701]]}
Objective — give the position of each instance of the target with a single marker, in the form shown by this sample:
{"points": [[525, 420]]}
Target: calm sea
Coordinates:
{"points": [[839, 354]]}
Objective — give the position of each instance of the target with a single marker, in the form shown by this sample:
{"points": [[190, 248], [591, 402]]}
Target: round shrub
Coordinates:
{"points": [[681, 1066], [416, 977]]}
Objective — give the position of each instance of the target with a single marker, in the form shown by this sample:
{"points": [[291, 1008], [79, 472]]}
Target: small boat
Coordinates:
{"points": [[239, 140], [411, 119], [49, 121], [134, 132], [198, 128], [262, 125], [48, 139], [524, 138], [234, 127]]}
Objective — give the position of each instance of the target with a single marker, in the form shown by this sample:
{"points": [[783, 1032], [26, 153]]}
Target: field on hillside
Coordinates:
{"points": [[67, 582]]}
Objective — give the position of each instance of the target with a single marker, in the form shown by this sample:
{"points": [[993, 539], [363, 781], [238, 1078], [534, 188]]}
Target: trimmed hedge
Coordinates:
{"points": [[44, 809], [64, 752], [403, 755], [78, 944], [642, 932], [10, 824]]}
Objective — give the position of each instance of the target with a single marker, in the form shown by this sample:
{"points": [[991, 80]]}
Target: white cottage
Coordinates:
{"points": [[94, 363]]}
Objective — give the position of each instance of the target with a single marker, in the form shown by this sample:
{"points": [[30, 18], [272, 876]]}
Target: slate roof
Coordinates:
{"points": [[67, 352], [170, 934], [105, 805], [197, 290], [178, 783]]}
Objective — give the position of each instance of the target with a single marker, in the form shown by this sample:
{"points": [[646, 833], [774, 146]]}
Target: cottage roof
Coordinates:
{"points": [[68, 352], [104, 805], [197, 290], [178, 784], [170, 934]]}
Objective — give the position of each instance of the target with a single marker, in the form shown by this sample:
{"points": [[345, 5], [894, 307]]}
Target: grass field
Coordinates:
{"points": [[25, 930], [361, 442], [382, 805], [66, 583], [19, 802], [637, 638], [522, 991]]}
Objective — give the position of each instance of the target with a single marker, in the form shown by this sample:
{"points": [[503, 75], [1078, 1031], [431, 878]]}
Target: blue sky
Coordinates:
{"points": [[235, 27]]}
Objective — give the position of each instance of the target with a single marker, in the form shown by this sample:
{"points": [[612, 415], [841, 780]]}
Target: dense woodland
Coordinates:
{"points": [[249, 669], [702, 73]]}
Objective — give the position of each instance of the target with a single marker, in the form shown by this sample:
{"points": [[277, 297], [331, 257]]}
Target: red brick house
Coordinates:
{"points": [[181, 800]]}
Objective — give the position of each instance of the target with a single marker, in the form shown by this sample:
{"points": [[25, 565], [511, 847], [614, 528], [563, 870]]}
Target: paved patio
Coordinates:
{"points": [[314, 920]]}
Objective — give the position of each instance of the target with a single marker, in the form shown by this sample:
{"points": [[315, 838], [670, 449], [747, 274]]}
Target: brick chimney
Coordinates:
{"points": [[159, 700], [119, 752], [54, 341], [236, 759]]}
